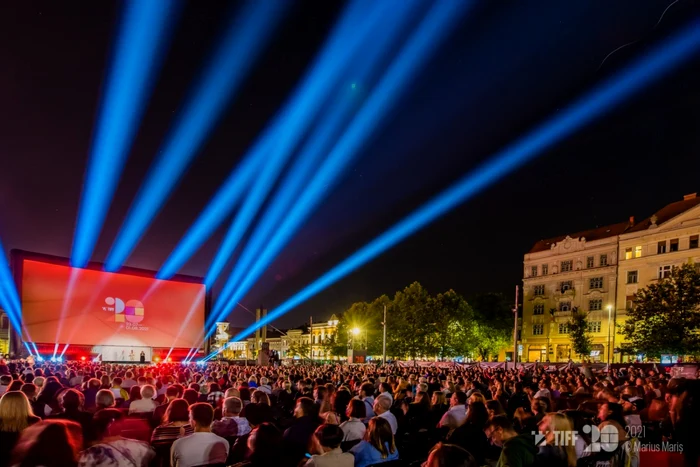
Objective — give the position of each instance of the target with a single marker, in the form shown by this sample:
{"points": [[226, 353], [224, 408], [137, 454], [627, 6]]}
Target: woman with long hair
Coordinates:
{"points": [[418, 414], [176, 423], [471, 435], [554, 452], [378, 445], [15, 416], [438, 407], [51, 443], [134, 395]]}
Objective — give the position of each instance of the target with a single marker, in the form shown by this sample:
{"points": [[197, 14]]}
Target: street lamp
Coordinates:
{"points": [[608, 345], [355, 331]]}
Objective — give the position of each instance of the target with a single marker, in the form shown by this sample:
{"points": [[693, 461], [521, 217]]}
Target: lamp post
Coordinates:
{"points": [[355, 332], [608, 345]]}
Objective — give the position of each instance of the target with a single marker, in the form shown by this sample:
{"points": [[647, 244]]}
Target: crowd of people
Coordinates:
{"points": [[95, 414]]}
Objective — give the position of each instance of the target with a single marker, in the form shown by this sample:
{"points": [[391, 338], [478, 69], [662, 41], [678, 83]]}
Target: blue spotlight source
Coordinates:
{"points": [[641, 73], [39, 358], [223, 75], [9, 299], [275, 145], [311, 154], [138, 50], [436, 25]]}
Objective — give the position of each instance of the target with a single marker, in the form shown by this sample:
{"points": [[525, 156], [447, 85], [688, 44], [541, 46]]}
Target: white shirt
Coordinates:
{"points": [[333, 458], [142, 405], [353, 429], [387, 394], [389, 417], [127, 383], [544, 393], [455, 417], [199, 449]]}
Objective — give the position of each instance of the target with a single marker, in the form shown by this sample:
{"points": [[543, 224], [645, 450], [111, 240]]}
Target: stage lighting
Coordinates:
{"points": [[275, 144], [224, 74], [53, 359], [670, 54], [435, 26], [83, 358], [157, 359], [59, 359], [137, 54], [39, 358]]}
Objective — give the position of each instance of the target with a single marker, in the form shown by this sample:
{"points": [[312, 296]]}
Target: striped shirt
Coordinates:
{"points": [[166, 434]]}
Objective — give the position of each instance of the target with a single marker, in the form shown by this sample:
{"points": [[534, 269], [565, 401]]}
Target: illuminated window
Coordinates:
{"points": [[539, 309], [595, 283], [673, 245], [661, 248], [629, 302], [589, 262], [638, 251], [563, 328], [603, 260], [534, 271], [545, 269], [564, 306], [632, 277], [567, 266], [664, 272], [595, 304], [537, 329], [594, 326], [628, 253], [539, 290], [694, 241]]}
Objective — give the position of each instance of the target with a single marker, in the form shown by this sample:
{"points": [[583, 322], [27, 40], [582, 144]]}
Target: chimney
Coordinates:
{"points": [[631, 221], [690, 196]]}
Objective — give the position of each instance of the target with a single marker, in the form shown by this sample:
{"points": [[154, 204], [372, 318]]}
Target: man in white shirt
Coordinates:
{"points": [[231, 423], [128, 380], [201, 447], [385, 390], [146, 403], [544, 390], [457, 414], [382, 405]]}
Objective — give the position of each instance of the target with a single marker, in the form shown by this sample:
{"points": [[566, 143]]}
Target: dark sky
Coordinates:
{"points": [[508, 65]]}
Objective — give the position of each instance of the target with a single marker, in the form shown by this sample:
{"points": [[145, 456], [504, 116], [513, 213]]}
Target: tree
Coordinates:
{"points": [[493, 330], [581, 341], [665, 318], [299, 349], [410, 323], [450, 315]]}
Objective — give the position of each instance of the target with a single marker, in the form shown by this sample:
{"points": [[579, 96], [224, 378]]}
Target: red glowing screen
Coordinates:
{"points": [[61, 304]]}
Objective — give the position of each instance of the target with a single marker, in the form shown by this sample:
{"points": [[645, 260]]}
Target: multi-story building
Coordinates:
{"points": [[599, 271], [4, 333], [321, 335], [650, 249]]}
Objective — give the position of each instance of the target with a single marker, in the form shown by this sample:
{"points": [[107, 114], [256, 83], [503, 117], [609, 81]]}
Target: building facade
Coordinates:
{"points": [[4, 333], [599, 271]]}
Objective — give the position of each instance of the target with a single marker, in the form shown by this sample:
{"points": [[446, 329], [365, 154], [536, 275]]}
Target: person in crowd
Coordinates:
{"points": [[240, 451], [517, 399], [449, 455], [176, 423], [611, 411], [190, 395], [134, 395], [418, 413], [110, 448], [382, 407], [201, 447], [378, 445], [553, 452], [438, 407], [30, 390], [385, 390], [231, 423], [49, 443], [297, 437], [118, 391], [326, 448], [5, 381], [265, 447], [457, 413], [517, 450], [171, 393], [15, 416], [470, 435], [129, 380], [215, 395], [146, 403], [104, 400], [71, 408], [494, 408], [90, 393], [353, 428], [367, 396], [265, 386]]}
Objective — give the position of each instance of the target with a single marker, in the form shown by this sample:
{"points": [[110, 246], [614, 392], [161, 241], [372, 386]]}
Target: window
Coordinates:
{"points": [[537, 329], [545, 269], [595, 283], [632, 277], [603, 260], [595, 304], [534, 271], [629, 302], [673, 245], [664, 272], [628, 253], [566, 285], [563, 328], [594, 326], [539, 309], [564, 306], [638, 251], [567, 266], [539, 290], [661, 248], [589, 262], [694, 241]]}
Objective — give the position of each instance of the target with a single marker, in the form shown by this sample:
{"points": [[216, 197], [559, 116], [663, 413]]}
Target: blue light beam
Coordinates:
{"points": [[9, 298], [311, 155], [279, 138], [138, 52], [436, 26], [594, 104], [224, 74]]}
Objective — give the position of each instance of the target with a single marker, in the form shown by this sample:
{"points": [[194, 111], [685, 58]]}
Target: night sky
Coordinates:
{"points": [[509, 65]]}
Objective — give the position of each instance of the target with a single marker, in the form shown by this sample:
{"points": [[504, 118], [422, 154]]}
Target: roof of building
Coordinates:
{"points": [[668, 212], [590, 235]]}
